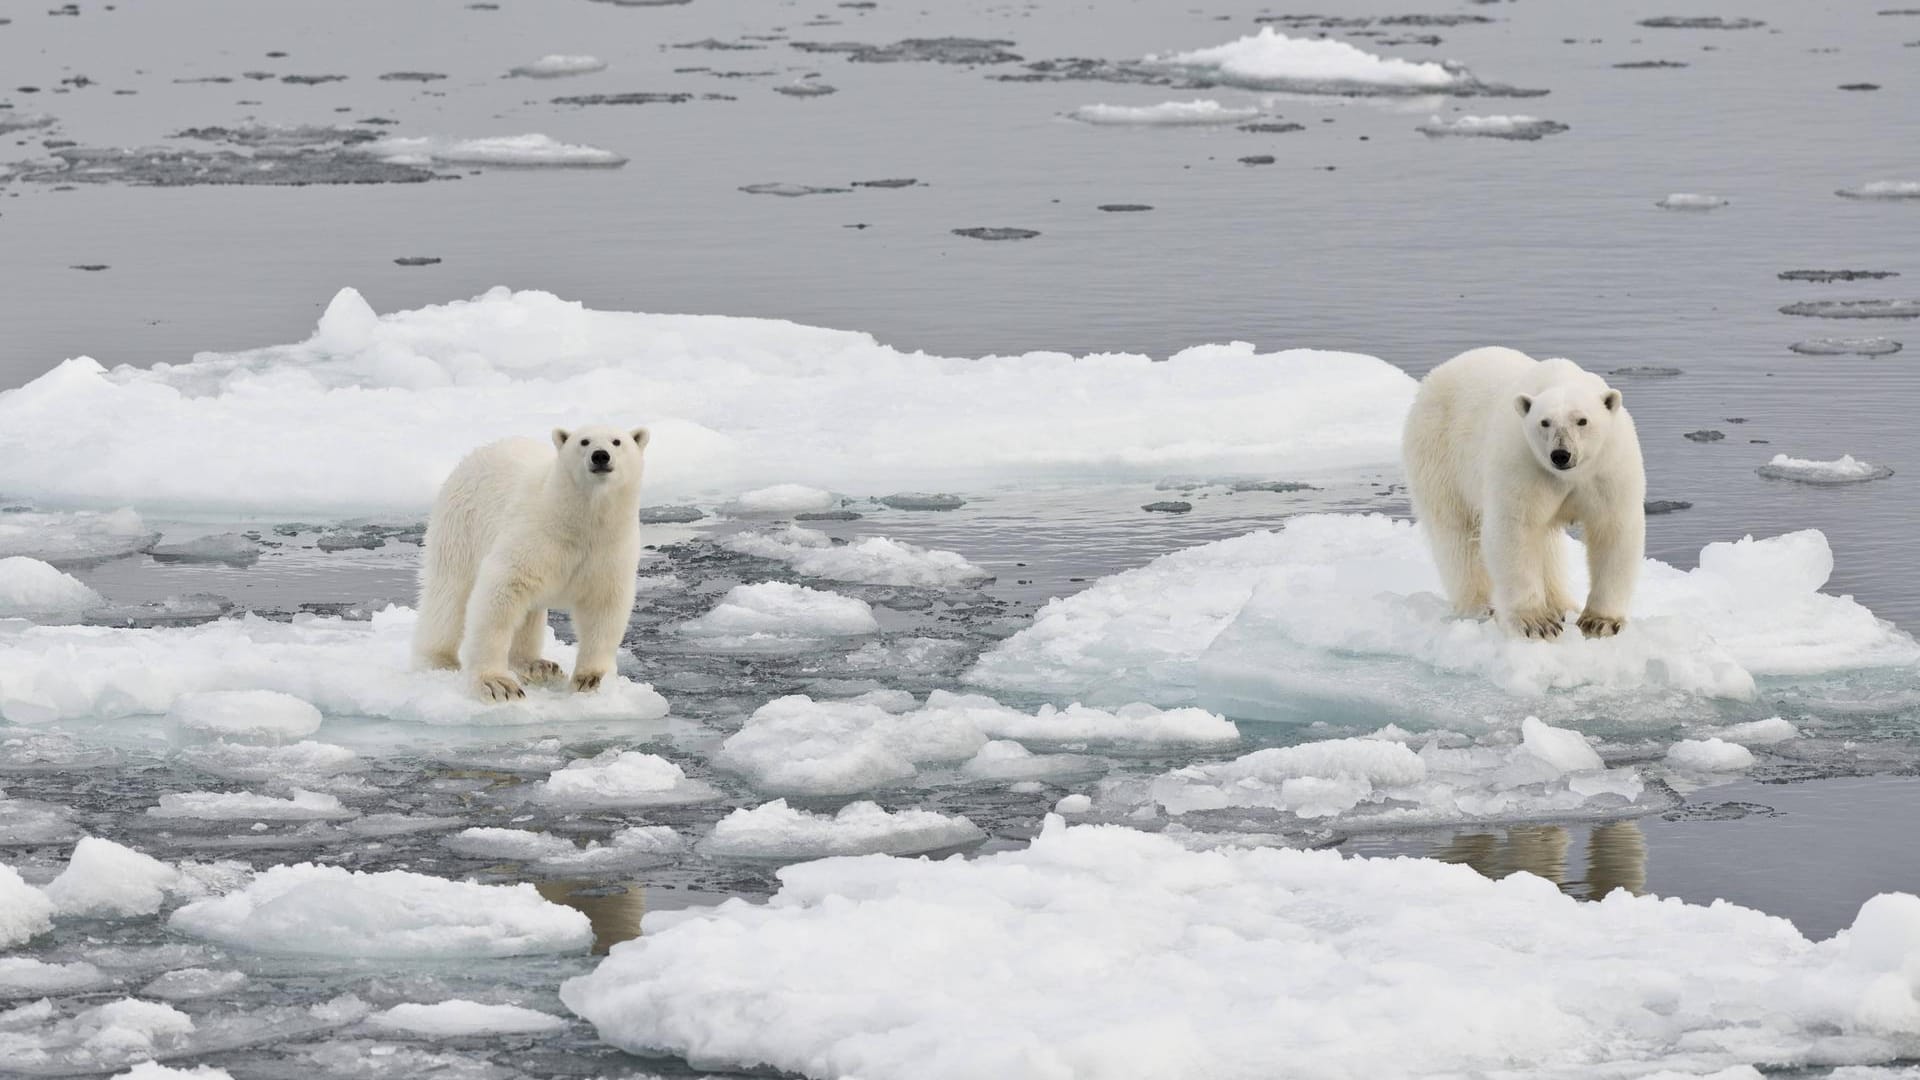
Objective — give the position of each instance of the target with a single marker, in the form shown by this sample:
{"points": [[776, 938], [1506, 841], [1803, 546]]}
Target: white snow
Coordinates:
{"points": [[24, 910], [1709, 755], [106, 879], [63, 538], [459, 1018], [1884, 189], [776, 831], [311, 910], [734, 404], [622, 778], [246, 713], [558, 65], [784, 499], [1165, 114], [1272, 60], [30, 589], [1683, 200], [1104, 953], [299, 805], [523, 150], [343, 667], [872, 560], [1341, 617], [1846, 469], [776, 613]]}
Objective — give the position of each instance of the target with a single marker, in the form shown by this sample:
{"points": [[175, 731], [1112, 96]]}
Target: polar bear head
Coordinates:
{"points": [[1567, 424], [600, 457]]}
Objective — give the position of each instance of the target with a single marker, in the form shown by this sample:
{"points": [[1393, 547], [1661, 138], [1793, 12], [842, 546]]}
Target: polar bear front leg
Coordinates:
{"points": [[524, 654], [1615, 550], [1520, 559], [498, 608], [601, 623]]}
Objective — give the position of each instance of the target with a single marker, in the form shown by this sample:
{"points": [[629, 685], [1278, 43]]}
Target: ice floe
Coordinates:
{"points": [[628, 848], [1846, 469], [67, 538], [1221, 963], [1340, 617], [311, 910], [25, 977], [559, 65], [105, 879], [622, 778], [1686, 200], [246, 713], [1271, 60], [524, 150], [1855, 346], [1709, 755], [189, 984], [778, 614], [1523, 128], [457, 1018], [232, 548], [24, 910], [33, 589], [873, 560], [1883, 189], [1165, 114], [735, 404], [776, 831], [342, 667], [299, 805]]}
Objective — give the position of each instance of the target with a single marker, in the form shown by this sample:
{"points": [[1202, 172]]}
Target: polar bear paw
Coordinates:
{"points": [[542, 671], [1593, 624], [584, 681], [1541, 623], [498, 686]]}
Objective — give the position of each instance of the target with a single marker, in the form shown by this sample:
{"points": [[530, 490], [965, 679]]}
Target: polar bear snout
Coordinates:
{"points": [[602, 461], [1562, 460]]}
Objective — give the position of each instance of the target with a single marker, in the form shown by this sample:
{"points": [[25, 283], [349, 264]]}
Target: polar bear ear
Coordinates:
{"points": [[560, 437], [1523, 404], [640, 438], [1611, 399]]}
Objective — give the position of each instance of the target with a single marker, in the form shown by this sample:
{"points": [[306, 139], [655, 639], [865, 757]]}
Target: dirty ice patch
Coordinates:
{"points": [[521, 150], [64, 539], [1166, 114], [1221, 963], [31, 589], [1342, 617], [312, 910], [734, 403], [871, 560], [342, 667], [1271, 60], [777, 831], [777, 614]]}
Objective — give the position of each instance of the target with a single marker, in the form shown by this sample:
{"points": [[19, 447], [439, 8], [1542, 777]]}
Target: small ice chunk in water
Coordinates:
{"points": [[1883, 189], [1073, 804], [25, 977], [300, 805], [188, 984], [1845, 469], [922, 500], [1845, 346], [1685, 200], [67, 538], [1523, 128], [622, 778], [779, 610], [105, 879], [103, 1037], [556, 65], [1004, 760], [776, 831], [1758, 732], [874, 560], [33, 589], [1270, 60], [520, 150], [246, 713], [11, 122], [153, 1070], [518, 845], [1165, 114], [1709, 755], [1855, 309], [791, 191], [784, 499], [232, 548], [304, 762], [24, 910], [457, 1018]]}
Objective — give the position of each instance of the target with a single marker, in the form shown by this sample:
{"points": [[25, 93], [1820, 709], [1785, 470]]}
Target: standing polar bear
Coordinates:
{"points": [[1502, 453], [518, 528]]}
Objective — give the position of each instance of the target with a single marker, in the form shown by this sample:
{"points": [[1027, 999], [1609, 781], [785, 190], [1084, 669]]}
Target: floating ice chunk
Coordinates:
{"points": [[1270, 60], [627, 849], [1758, 732], [33, 589], [791, 191], [457, 1019], [1135, 726], [100, 1038], [775, 831], [22, 976], [795, 745], [1524, 128], [24, 910], [1003, 760], [1844, 470], [246, 713], [11, 122], [516, 844], [1165, 114], [922, 500], [300, 805], [188, 984], [1682, 200], [1709, 755], [522, 150], [1073, 804], [623, 778], [874, 560], [1855, 309], [153, 1070], [27, 823], [312, 910], [784, 499], [343, 667], [775, 611], [303, 762], [103, 878], [1858, 346], [1883, 189], [556, 65], [67, 538], [232, 548]]}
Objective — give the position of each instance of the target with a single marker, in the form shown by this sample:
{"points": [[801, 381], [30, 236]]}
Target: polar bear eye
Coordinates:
{"points": [[1582, 421], [1544, 423], [616, 442], [586, 442]]}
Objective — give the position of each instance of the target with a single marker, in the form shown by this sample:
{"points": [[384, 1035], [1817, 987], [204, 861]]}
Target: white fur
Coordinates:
{"points": [[1485, 487], [522, 526]]}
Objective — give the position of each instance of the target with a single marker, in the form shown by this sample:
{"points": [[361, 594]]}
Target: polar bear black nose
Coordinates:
{"points": [[601, 457], [1561, 459]]}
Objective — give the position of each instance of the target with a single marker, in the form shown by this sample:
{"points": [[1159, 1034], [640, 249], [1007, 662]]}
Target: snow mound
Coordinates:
{"points": [[246, 713], [557, 65], [871, 560], [778, 614], [33, 589], [103, 878], [1846, 469], [1685, 200], [1709, 755], [1220, 963], [521, 150], [734, 404], [1270, 60], [300, 805], [312, 910], [1340, 617], [458, 1019], [1523, 128], [67, 538], [342, 667], [24, 910], [776, 831], [1165, 114], [622, 778]]}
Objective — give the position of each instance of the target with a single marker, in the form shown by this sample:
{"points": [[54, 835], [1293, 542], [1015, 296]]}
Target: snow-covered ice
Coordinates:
{"points": [[458, 1018], [246, 713], [522, 150], [873, 560], [25, 977], [1271, 60], [1103, 952], [1166, 114], [622, 778], [105, 879], [734, 403], [311, 910], [1522, 128], [1846, 469], [1685, 200], [64, 538], [1709, 755], [776, 831], [299, 805], [24, 910], [779, 614], [33, 589], [343, 667], [1341, 617], [558, 65]]}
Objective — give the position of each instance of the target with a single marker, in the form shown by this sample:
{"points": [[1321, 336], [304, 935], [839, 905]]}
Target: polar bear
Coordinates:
{"points": [[1502, 453], [520, 527]]}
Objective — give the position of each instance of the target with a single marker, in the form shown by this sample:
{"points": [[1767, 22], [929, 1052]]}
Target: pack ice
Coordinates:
{"points": [[735, 404], [1104, 952]]}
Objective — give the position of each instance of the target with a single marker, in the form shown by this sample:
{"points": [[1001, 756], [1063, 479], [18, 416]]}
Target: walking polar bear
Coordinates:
{"points": [[520, 527], [1502, 453]]}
